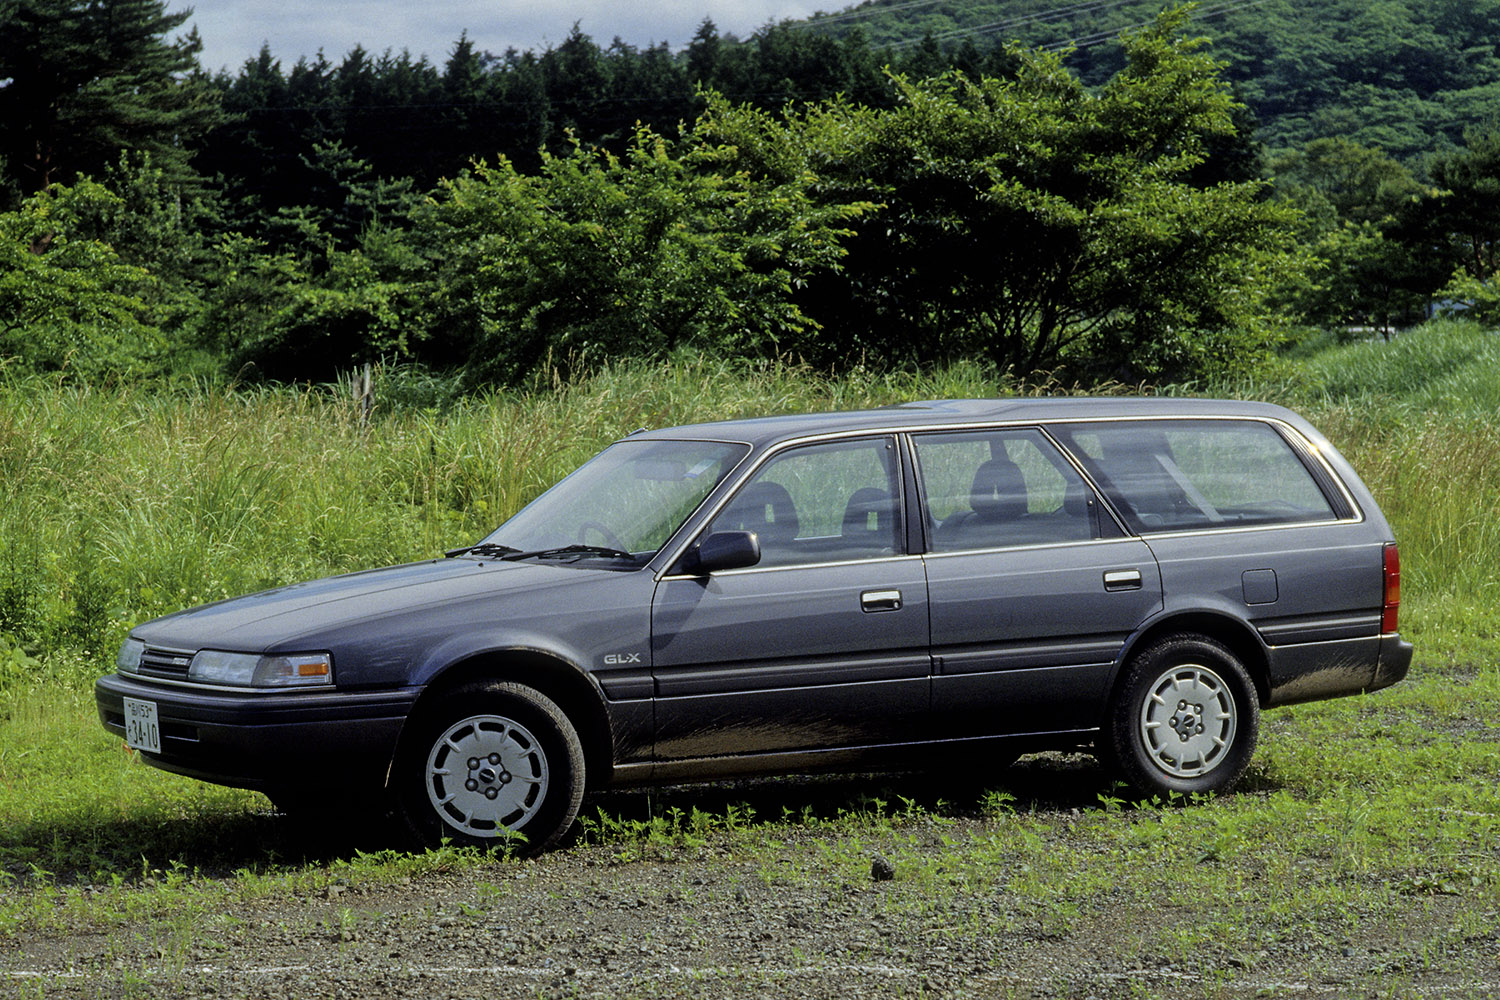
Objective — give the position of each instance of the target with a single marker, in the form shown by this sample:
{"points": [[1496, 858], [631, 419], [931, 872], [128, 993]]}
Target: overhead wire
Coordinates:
{"points": [[1052, 14], [856, 13], [1101, 37], [1083, 7]]}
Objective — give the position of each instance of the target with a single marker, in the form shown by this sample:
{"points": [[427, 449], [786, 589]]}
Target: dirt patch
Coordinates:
{"points": [[819, 908]]}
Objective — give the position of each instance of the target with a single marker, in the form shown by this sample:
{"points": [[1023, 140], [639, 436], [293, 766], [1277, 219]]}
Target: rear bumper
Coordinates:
{"points": [[334, 741], [1313, 670], [1395, 661]]}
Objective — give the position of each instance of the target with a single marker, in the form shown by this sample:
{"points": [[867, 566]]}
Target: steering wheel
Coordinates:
{"points": [[611, 540]]}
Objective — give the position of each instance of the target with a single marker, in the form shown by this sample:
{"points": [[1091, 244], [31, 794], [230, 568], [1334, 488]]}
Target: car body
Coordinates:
{"points": [[1139, 576]]}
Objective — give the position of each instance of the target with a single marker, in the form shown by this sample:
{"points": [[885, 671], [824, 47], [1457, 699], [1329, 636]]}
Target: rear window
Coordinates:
{"points": [[1176, 475]]}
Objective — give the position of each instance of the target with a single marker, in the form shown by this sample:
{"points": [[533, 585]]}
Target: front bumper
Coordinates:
{"points": [[333, 741]]}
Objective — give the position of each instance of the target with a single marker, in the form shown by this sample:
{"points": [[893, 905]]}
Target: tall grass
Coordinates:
{"points": [[1447, 368], [1419, 418], [1437, 479], [125, 502]]}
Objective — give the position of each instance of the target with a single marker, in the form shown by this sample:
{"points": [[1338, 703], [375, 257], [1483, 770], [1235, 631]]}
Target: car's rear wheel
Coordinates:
{"points": [[490, 764], [1184, 719]]}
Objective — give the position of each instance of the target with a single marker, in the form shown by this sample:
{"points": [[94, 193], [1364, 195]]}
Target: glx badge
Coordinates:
{"points": [[614, 659]]}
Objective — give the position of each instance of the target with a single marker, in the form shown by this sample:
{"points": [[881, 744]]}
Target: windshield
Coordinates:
{"points": [[631, 498]]}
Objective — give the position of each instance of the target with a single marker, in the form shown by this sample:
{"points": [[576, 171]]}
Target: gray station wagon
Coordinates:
{"points": [[833, 591]]}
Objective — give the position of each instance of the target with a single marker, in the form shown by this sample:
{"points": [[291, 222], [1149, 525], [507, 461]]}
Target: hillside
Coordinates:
{"points": [[1406, 76]]}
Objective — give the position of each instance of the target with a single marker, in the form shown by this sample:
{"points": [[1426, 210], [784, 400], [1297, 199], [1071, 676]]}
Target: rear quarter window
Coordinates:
{"points": [[1177, 475]]}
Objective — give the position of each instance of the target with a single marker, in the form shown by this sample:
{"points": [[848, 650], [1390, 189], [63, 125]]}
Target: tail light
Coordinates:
{"points": [[1392, 589]]}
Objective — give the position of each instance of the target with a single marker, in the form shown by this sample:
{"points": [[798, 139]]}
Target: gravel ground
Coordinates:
{"points": [[582, 927], [759, 915]]}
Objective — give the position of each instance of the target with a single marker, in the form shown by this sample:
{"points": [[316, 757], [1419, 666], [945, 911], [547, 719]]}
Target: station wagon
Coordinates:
{"points": [[837, 591]]}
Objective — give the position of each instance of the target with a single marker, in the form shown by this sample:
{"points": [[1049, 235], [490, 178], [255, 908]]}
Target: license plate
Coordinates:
{"points": [[142, 730]]}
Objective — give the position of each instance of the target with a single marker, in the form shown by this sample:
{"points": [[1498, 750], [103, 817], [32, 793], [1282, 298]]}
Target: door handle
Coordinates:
{"points": [[880, 600], [1122, 579]]}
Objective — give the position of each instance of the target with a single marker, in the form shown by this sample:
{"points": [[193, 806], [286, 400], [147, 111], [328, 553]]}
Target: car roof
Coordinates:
{"points": [[763, 431]]}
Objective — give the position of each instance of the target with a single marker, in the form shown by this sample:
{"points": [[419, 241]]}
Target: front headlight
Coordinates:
{"points": [[211, 666], [128, 659]]}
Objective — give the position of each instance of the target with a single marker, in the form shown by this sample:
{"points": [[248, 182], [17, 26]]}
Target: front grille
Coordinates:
{"points": [[169, 663]]}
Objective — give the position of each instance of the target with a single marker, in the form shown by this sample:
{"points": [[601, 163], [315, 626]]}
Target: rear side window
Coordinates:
{"points": [[1176, 475], [993, 489]]}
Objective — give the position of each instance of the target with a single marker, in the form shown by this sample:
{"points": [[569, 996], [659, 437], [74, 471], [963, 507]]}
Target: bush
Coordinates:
{"points": [[67, 301]]}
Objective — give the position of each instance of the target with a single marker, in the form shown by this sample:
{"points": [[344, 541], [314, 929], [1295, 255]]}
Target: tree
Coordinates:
{"points": [[577, 80], [704, 54], [1467, 208], [345, 197], [89, 78], [1358, 183], [1466, 214], [67, 301], [1358, 209], [1040, 224], [599, 256], [309, 309], [1364, 275]]}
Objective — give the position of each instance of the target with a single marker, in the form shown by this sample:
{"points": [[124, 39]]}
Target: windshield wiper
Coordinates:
{"points": [[482, 549], [571, 550]]}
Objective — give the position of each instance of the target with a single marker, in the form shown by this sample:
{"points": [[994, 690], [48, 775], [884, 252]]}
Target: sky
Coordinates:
{"points": [[233, 30]]}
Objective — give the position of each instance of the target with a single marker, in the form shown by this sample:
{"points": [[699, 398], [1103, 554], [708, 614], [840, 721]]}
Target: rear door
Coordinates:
{"points": [[824, 643], [1033, 587]]}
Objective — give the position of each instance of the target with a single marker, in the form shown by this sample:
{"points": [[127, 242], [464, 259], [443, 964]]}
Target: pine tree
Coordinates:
{"points": [[89, 78], [703, 55]]}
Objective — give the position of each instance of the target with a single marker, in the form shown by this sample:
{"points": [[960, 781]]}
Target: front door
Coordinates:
{"points": [[824, 643]]}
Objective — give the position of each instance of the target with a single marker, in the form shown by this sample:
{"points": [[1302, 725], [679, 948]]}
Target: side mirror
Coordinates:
{"points": [[724, 550]]}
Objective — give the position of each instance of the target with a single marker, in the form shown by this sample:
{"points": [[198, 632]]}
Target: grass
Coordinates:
{"points": [[1369, 822], [123, 503]]}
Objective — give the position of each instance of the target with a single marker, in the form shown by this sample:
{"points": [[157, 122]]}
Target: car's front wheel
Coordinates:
{"points": [[487, 764], [1184, 718]]}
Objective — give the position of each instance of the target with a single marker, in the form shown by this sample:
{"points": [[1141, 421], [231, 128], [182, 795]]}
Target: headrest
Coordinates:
{"points": [[764, 507], [868, 512], [999, 490]]}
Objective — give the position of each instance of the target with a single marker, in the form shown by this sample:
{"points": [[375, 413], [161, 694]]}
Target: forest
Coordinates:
{"points": [[1404, 76], [1094, 191]]}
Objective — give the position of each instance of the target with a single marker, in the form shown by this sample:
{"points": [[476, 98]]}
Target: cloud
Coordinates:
{"points": [[234, 30]]}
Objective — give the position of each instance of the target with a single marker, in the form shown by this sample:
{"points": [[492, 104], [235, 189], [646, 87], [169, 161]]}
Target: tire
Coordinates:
{"points": [[1184, 718], [490, 764]]}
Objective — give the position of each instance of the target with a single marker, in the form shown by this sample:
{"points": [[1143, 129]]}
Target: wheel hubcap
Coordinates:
{"points": [[486, 776], [1187, 722]]}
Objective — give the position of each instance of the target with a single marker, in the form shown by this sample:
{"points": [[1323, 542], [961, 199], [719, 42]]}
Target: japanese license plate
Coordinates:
{"points": [[142, 731]]}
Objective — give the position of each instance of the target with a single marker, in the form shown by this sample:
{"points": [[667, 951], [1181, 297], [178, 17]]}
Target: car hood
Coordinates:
{"points": [[270, 619]]}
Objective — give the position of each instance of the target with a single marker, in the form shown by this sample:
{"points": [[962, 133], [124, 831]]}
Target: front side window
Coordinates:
{"points": [[631, 497], [1176, 475], [998, 488], [821, 503]]}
